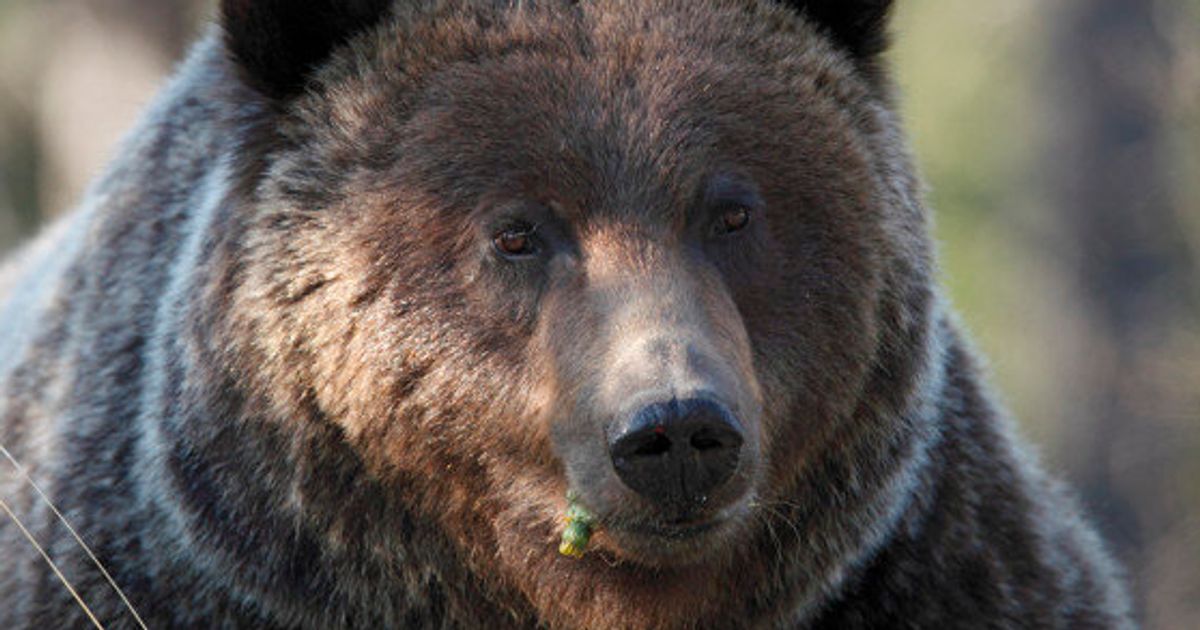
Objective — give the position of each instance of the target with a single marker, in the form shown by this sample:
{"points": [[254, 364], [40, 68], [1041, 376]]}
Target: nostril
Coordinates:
{"points": [[655, 444], [715, 437], [705, 441]]}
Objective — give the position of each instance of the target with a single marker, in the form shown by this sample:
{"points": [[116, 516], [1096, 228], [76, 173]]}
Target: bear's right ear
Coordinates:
{"points": [[857, 26], [278, 43]]}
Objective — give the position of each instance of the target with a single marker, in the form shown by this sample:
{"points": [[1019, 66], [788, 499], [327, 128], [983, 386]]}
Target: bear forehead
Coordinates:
{"points": [[595, 99], [599, 61]]}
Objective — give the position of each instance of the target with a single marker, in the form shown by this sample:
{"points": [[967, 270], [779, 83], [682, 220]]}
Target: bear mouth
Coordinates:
{"points": [[680, 530], [657, 542]]}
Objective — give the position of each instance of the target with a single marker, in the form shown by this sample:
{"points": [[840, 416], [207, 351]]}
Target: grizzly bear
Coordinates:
{"points": [[375, 286]]}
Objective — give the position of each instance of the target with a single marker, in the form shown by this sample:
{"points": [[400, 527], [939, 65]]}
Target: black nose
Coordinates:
{"points": [[676, 452]]}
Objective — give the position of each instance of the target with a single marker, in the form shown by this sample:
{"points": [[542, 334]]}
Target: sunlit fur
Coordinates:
{"points": [[275, 374]]}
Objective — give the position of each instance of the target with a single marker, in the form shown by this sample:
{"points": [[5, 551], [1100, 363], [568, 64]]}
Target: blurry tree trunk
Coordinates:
{"points": [[1108, 78]]}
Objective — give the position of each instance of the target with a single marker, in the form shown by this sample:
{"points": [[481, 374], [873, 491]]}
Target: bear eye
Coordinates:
{"points": [[515, 241], [733, 219]]}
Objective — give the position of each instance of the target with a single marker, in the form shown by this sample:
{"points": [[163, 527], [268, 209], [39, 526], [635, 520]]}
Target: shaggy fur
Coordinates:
{"points": [[276, 374]]}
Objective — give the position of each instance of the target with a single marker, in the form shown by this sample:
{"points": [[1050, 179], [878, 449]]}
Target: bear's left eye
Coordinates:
{"points": [[733, 218], [516, 241]]}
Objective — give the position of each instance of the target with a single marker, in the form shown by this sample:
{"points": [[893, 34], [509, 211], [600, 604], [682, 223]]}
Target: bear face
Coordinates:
{"points": [[507, 252]]}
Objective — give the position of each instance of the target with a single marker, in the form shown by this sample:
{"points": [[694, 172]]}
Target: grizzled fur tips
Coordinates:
{"points": [[373, 286]]}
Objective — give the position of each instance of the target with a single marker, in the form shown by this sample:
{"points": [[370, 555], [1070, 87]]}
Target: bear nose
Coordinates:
{"points": [[676, 452]]}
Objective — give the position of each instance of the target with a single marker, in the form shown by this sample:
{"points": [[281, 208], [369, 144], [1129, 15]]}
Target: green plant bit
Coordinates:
{"points": [[578, 531]]}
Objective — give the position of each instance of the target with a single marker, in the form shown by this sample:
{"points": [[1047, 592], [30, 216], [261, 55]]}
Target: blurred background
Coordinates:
{"points": [[1061, 145]]}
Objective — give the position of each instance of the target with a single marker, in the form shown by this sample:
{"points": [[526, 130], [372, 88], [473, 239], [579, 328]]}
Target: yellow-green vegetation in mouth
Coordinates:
{"points": [[578, 530]]}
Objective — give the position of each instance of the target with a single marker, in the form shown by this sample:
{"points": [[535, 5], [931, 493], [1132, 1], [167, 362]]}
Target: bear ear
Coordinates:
{"points": [[858, 26], [278, 43]]}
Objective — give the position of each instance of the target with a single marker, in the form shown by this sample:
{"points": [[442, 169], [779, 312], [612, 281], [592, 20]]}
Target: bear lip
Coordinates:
{"points": [[674, 531], [663, 545]]}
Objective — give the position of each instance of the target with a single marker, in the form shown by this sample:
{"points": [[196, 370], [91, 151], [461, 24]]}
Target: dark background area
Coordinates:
{"points": [[1061, 145]]}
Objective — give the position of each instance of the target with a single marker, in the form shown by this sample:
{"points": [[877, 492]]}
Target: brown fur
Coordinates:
{"points": [[280, 379]]}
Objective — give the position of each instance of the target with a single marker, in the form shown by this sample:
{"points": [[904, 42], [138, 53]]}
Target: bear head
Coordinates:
{"points": [[668, 257]]}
